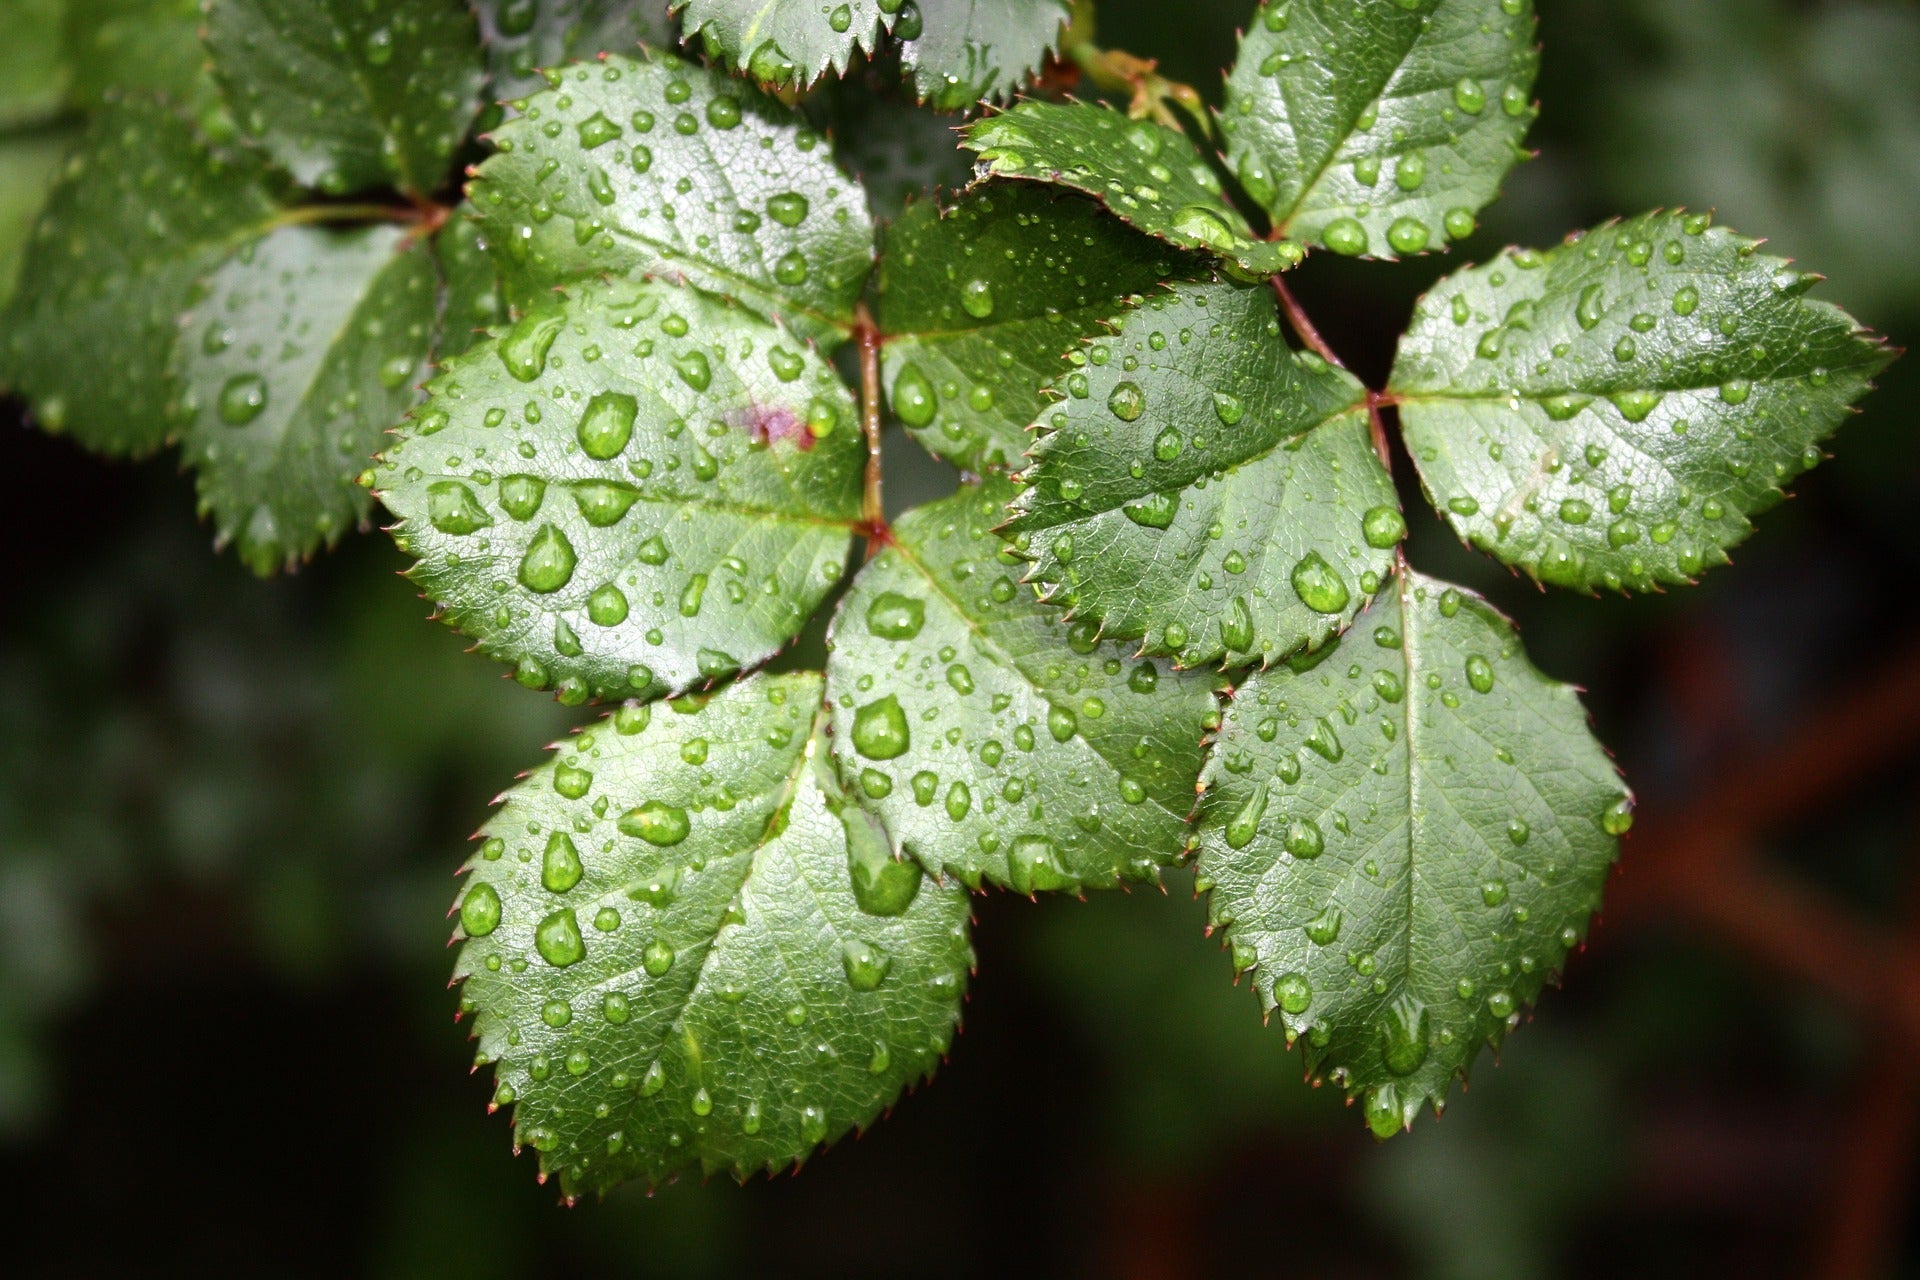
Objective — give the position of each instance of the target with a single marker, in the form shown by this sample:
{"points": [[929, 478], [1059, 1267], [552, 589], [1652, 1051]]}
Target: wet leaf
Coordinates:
{"points": [[1381, 127], [635, 489], [92, 325], [664, 167], [1203, 490], [526, 37], [981, 301], [300, 353], [994, 742], [1148, 174], [1610, 413], [682, 953], [1407, 838], [349, 95]]}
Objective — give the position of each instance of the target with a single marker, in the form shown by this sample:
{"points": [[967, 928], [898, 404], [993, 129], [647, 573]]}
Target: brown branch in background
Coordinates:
{"points": [[873, 511], [1704, 863]]}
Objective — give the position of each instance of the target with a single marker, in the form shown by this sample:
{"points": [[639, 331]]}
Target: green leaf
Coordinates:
{"points": [[1404, 840], [1148, 174], [1611, 412], [118, 48], [34, 72], [28, 167], [636, 489], [966, 50], [474, 302], [780, 42], [525, 36], [981, 301], [302, 351], [590, 176], [994, 742], [1201, 488], [1380, 127], [684, 952], [349, 95], [88, 335], [959, 51]]}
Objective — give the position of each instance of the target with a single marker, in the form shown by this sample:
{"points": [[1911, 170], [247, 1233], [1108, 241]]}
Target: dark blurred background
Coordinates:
{"points": [[230, 812]]}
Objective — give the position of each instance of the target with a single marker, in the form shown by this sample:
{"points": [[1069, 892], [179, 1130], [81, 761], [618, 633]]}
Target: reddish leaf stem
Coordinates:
{"points": [[873, 512]]}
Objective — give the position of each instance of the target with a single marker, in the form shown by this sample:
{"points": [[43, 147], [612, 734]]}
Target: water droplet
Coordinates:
{"points": [[658, 957], [1293, 993], [1480, 674], [560, 868], [880, 729], [480, 910], [913, 396], [1345, 236], [1033, 866], [1127, 401], [789, 208], [596, 131], [607, 424], [549, 562], [452, 508], [1155, 511], [1383, 527], [242, 399], [524, 348], [1246, 823], [1319, 585], [657, 822], [893, 616], [866, 964], [1404, 1036], [558, 939], [976, 296]]}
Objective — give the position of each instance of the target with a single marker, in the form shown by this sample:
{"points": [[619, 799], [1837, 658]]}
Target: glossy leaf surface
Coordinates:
{"points": [[635, 489], [981, 302], [108, 271], [590, 178], [1202, 489], [348, 95], [685, 954], [1380, 127], [994, 742], [302, 350], [1610, 413], [1148, 174], [1404, 840]]}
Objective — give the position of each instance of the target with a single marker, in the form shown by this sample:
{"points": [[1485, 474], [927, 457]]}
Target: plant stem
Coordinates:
{"points": [[310, 214], [1116, 71], [873, 512], [1303, 325]]}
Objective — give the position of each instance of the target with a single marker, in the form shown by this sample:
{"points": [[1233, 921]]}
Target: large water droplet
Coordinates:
{"points": [[452, 508], [607, 424], [242, 399], [880, 729], [657, 822], [558, 939], [1319, 585], [866, 964], [480, 910], [549, 562]]}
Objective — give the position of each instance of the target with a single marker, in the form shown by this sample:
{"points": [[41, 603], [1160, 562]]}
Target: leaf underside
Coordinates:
{"points": [[1404, 840], [684, 954], [636, 489], [348, 95], [767, 217], [110, 270], [1382, 127], [993, 742], [1149, 175], [981, 301], [1609, 413], [1203, 490], [302, 351]]}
